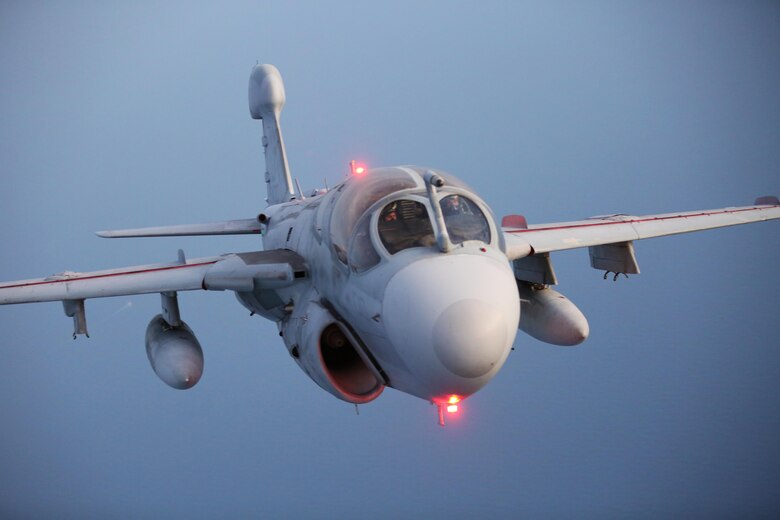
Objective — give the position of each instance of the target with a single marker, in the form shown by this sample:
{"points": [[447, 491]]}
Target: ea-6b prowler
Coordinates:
{"points": [[397, 277]]}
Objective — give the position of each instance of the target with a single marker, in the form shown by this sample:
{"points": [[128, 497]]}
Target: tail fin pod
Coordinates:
{"points": [[266, 99]]}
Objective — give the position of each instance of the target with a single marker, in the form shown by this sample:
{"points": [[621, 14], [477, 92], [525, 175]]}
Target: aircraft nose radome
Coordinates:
{"points": [[469, 337], [452, 319]]}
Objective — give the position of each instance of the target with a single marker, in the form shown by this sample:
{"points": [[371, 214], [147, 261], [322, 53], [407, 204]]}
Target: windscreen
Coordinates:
{"points": [[464, 220], [404, 224]]}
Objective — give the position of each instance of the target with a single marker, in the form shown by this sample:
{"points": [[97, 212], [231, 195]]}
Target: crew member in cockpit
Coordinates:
{"points": [[452, 205], [390, 213]]}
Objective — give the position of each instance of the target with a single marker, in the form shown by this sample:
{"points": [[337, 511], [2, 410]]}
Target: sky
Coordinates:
{"points": [[126, 115]]}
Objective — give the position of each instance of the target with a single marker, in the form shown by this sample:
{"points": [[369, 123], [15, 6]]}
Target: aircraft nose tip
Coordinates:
{"points": [[455, 333], [469, 337]]}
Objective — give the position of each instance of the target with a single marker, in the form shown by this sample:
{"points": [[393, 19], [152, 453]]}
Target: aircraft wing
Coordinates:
{"points": [[227, 227], [237, 272], [523, 240]]}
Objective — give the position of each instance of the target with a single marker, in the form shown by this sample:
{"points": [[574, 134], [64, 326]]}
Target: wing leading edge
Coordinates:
{"points": [[614, 229], [238, 272]]}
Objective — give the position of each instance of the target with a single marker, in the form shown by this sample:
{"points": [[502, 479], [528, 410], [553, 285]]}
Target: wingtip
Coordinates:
{"points": [[104, 234]]}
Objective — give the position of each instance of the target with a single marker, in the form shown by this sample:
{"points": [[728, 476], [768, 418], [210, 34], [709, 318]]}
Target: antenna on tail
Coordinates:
{"points": [[266, 100]]}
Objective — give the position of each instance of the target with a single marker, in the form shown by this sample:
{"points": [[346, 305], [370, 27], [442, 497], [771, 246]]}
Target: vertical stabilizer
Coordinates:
{"points": [[266, 99]]}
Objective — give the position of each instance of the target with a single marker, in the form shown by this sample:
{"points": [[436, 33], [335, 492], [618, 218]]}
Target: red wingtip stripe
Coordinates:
{"points": [[107, 275], [636, 221]]}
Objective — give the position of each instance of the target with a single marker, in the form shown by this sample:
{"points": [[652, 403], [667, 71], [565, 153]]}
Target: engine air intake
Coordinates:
{"points": [[344, 367]]}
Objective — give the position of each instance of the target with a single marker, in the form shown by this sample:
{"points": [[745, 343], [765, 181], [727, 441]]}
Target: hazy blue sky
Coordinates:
{"points": [[130, 115]]}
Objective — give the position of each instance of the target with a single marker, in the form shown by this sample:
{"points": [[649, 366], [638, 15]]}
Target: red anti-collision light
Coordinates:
{"points": [[357, 169], [452, 403]]}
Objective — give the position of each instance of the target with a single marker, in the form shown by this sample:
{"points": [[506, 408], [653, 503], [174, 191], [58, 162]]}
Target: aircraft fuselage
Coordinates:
{"points": [[376, 310]]}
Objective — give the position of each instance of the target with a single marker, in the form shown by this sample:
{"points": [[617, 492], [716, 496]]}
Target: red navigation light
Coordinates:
{"points": [[360, 170], [454, 399]]}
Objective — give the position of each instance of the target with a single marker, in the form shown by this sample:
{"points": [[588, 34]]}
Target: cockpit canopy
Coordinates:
{"points": [[363, 229], [357, 195]]}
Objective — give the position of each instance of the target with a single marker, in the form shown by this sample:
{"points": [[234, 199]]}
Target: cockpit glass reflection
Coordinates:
{"points": [[362, 254], [464, 220], [404, 224]]}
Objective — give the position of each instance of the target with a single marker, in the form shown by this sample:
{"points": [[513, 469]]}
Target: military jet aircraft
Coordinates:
{"points": [[397, 277]]}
